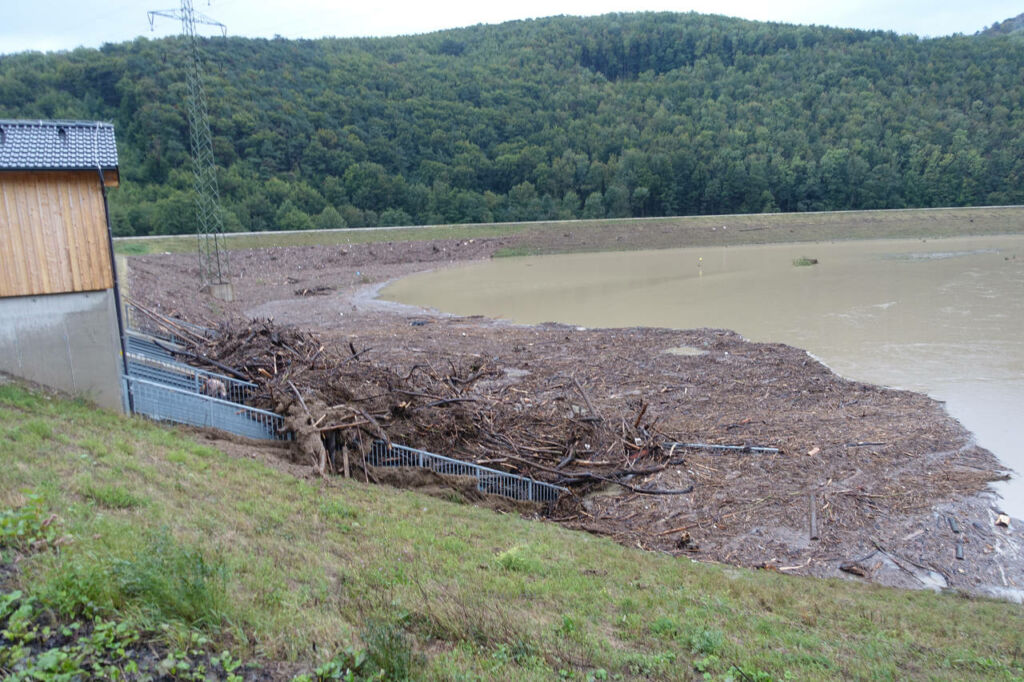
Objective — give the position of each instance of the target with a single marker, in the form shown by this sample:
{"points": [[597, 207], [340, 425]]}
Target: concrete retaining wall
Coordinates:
{"points": [[65, 341]]}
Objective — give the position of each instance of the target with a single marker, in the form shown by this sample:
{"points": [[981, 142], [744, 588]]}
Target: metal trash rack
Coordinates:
{"points": [[167, 403], [188, 378], [163, 388], [138, 343], [488, 480]]}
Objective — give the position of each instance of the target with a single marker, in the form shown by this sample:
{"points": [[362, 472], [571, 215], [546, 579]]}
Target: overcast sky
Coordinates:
{"points": [[66, 24]]}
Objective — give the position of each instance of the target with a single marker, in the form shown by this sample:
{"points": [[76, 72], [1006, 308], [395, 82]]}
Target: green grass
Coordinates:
{"points": [[641, 233], [517, 252], [133, 248], [254, 240], [112, 496], [157, 533]]}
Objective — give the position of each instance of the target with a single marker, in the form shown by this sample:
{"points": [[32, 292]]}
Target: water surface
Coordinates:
{"points": [[945, 317]]}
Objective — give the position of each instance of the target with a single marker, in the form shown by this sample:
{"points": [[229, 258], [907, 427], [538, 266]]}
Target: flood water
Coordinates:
{"points": [[944, 317]]}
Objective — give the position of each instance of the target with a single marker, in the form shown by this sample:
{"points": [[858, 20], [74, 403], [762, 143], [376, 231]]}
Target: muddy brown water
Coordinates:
{"points": [[945, 317]]}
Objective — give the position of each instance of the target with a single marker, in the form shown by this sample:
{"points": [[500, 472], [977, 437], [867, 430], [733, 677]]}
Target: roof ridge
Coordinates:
{"points": [[54, 122]]}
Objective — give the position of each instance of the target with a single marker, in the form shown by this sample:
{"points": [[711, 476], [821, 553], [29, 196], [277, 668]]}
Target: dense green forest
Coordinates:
{"points": [[614, 116]]}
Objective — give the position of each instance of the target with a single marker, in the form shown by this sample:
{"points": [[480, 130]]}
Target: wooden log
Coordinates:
{"points": [[335, 427], [586, 398], [202, 358], [679, 529], [299, 396], [632, 488], [715, 446], [643, 411], [812, 502], [167, 322], [854, 568]]}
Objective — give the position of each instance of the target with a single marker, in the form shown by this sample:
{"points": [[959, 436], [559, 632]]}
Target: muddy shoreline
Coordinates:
{"points": [[884, 471]]}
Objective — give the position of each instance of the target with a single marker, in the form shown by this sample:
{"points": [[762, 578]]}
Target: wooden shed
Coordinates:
{"points": [[58, 312]]}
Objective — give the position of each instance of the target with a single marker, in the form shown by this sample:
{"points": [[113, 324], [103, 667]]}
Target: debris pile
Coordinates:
{"points": [[860, 467], [338, 400]]}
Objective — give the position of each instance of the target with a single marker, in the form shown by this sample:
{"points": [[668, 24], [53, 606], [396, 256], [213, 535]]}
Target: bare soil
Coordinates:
{"points": [[893, 483]]}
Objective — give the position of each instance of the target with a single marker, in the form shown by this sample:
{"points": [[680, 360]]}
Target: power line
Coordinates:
{"points": [[213, 256]]}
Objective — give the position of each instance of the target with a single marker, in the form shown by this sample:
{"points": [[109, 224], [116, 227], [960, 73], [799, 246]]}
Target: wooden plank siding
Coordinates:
{"points": [[53, 233]]}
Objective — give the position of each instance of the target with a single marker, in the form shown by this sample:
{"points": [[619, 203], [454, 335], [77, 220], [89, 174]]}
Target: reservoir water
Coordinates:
{"points": [[944, 317]]}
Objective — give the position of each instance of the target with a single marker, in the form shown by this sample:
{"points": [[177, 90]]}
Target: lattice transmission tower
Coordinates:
{"points": [[213, 256]]}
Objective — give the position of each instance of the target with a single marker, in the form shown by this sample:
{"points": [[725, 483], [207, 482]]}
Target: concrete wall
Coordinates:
{"points": [[66, 341]]}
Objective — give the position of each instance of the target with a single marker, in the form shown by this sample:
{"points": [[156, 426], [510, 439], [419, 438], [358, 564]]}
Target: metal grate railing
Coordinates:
{"points": [[141, 344], [488, 480], [190, 378], [151, 360], [164, 389], [184, 406]]}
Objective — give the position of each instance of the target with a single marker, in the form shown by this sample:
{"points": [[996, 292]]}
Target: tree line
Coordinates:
{"points": [[615, 116]]}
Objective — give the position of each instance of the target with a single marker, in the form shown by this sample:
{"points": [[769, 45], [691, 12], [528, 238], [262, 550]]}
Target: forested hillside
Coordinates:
{"points": [[1011, 25], [614, 116]]}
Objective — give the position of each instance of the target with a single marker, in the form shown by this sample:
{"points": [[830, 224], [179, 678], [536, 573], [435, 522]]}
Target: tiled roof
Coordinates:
{"points": [[56, 145]]}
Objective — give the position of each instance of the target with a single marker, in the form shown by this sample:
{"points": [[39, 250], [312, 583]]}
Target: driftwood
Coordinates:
{"points": [[632, 488], [305, 432], [812, 503], [337, 402], [854, 568], [167, 323], [201, 359], [716, 446]]}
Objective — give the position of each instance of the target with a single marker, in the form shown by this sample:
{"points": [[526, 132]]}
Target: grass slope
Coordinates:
{"points": [[644, 233], [173, 537]]}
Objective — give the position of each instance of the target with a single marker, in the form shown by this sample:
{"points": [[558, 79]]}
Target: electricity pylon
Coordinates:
{"points": [[213, 256]]}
